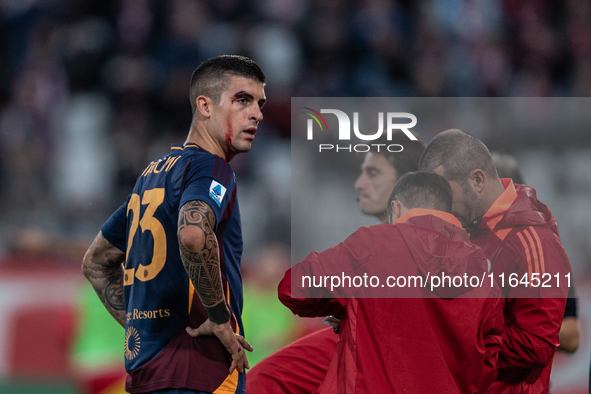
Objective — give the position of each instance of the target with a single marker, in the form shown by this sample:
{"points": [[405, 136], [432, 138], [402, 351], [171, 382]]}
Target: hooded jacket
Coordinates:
{"points": [[520, 236], [419, 344]]}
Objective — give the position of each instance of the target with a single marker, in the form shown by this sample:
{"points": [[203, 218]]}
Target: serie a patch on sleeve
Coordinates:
{"points": [[217, 191]]}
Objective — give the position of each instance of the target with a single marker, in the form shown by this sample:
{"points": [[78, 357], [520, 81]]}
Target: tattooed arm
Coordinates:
{"points": [[102, 267], [200, 255], [199, 252]]}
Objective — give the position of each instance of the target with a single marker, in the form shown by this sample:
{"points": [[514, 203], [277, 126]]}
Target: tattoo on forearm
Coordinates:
{"points": [[114, 293], [203, 267], [102, 267]]}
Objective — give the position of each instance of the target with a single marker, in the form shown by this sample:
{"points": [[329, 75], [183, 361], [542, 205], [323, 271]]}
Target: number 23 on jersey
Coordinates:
{"points": [[152, 198]]}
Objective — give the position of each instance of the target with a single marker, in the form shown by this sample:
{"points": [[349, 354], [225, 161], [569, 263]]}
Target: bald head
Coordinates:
{"points": [[459, 153], [467, 165]]}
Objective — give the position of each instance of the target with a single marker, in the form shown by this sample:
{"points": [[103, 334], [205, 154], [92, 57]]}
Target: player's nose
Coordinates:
{"points": [[257, 115], [359, 183]]}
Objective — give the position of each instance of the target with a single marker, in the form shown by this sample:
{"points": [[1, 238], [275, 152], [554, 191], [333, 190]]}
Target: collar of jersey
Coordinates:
{"points": [[411, 213], [497, 211], [181, 147]]}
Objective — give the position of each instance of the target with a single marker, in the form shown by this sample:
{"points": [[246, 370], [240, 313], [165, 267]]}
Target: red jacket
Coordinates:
{"points": [[298, 368], [519, 235], [415, 345]]}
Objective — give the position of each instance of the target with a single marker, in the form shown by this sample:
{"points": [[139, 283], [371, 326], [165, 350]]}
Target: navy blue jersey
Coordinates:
{"points": [[160, 299]]}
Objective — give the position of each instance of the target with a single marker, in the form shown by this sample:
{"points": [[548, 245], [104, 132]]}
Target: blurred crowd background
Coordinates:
{"points": [[92, 91]]}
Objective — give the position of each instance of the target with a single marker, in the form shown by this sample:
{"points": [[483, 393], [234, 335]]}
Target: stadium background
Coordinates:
{"points": [[91, 91]]}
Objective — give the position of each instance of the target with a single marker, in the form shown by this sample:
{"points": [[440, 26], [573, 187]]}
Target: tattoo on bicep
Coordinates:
{"points": [[203, 267]]}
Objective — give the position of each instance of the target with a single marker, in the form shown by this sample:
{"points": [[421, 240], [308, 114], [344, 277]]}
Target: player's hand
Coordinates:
{"points": [[234, 343]]}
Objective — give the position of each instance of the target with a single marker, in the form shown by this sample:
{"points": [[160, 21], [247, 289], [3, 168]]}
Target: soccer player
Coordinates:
{"points": [[431, 342], [301, 366], [179, 234], [519, 235]]}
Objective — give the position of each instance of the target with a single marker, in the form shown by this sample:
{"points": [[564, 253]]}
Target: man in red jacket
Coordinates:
{"points": [[301, 366], [428, 341], [568, 335], [520, 237]]}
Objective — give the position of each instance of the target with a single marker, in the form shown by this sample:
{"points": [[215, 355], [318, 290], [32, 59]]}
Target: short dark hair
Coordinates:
{"points": [[408, 159], [422, 189], [507, 166], [459, 153], [210, 78]]}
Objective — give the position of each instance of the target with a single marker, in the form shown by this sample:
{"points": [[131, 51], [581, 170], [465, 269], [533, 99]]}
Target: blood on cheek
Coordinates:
{"points": [[229, 134]]}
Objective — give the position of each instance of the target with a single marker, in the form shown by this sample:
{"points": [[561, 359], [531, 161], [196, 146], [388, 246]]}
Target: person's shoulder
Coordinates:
{"points": [[376, 229], [202, 160], [538, 235], [194, 152], [375, 233], [527, 210], [539, 246]]}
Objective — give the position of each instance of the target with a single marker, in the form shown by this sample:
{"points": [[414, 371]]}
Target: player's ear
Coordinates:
{"points": [[391, 215], [477, 180], [203, 105], [397, 210]]}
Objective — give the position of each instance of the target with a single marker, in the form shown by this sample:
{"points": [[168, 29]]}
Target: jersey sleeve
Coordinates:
{"points": [[212, 181], [115, 228], [531, 331]]}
